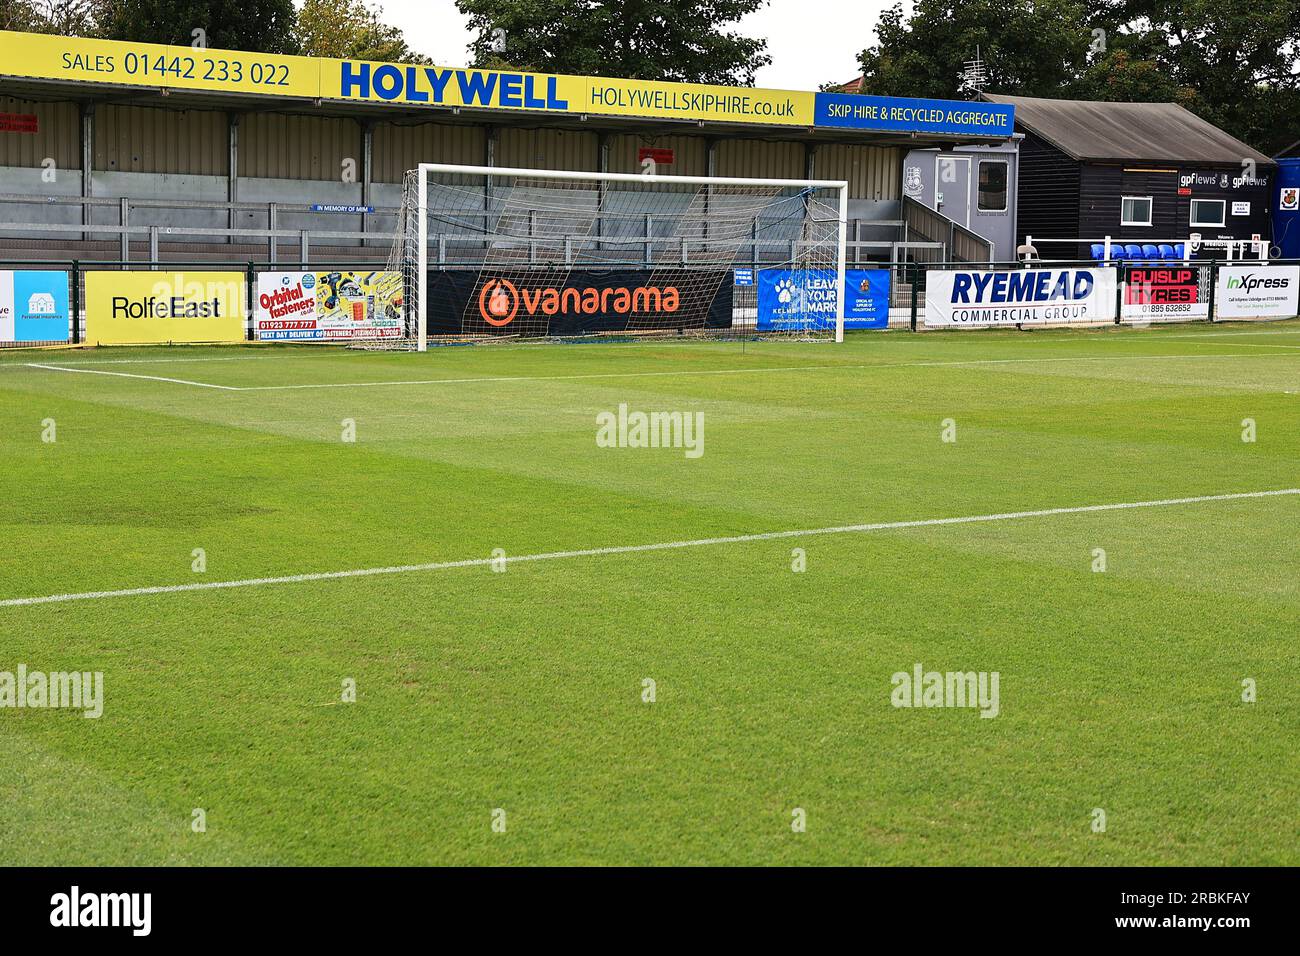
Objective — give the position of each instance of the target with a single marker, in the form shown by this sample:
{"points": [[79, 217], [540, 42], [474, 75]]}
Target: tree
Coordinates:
{"points": [[1236, 67], [260, 26], [681, 40], [351, 30], [62, 17], [1032, 48]]}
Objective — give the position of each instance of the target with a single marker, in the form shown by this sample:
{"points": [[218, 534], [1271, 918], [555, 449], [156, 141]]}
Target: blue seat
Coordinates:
{"points": [[1150, 251], [1133, 251], [1178, 249], [1166, 251], [1098, 250]]}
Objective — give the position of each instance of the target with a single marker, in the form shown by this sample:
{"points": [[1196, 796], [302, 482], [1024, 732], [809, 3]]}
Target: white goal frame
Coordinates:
{"points": [[422, 217]]}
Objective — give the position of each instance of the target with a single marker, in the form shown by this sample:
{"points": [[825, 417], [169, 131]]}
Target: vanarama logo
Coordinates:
{"points": [[500, 300]]}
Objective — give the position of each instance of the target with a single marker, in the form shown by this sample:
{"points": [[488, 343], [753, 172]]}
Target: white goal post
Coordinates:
{"points": [[505, 239]]}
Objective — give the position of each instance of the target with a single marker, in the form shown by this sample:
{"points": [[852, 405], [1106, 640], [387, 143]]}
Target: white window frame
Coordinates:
{"points": [[1151, 209], [1006, 185], [1223, 213]]}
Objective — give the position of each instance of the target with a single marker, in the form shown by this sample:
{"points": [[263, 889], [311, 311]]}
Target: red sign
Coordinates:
{"points": [[661, 156], [17, 123], [1161, 286], [1184, 191]]}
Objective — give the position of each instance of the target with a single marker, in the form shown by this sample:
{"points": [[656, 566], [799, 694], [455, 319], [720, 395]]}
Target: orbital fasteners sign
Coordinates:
{"points": [[328, 306], [133, 308]]}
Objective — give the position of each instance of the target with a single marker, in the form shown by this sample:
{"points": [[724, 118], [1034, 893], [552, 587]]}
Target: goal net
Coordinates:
{"points": [[486, 253]]}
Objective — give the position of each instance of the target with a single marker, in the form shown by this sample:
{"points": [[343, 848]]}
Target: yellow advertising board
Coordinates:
{"points": [[365, 81], [182, 67], [132, 308], [156, 65]]}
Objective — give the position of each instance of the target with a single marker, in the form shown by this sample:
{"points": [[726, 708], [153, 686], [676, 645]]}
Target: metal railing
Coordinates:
{"points": [[455, 231], [963, 244], [1185, 249]]}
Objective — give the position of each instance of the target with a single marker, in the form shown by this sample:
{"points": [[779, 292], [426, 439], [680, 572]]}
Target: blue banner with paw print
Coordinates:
{"points": [[793, 299]]}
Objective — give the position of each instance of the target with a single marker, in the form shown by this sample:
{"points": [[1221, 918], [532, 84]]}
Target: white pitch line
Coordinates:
{"points": [[152, 378], [491, 379], [1293, 330], [729, 371], [1251, 345], [639, 548]]}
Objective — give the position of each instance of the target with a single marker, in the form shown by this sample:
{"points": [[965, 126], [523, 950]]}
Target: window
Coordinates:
{"points": [[1135, 211], [993, 186], [1208, 212]]}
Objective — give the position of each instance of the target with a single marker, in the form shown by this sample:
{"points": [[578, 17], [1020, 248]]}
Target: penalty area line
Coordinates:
{"points": [[640, 548], [151, 378]]}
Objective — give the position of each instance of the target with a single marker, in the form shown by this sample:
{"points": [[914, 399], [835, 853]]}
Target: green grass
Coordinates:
{"points": [[522, 690]]}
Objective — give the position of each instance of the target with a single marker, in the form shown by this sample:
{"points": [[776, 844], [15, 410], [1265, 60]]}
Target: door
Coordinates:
{"points": [[952, 187]]}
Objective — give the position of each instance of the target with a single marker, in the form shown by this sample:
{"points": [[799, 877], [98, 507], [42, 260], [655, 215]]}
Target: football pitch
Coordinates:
{"points": [[455, 626]]}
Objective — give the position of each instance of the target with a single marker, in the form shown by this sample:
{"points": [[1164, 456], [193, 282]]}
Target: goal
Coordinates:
{"points": [[487, 253]]}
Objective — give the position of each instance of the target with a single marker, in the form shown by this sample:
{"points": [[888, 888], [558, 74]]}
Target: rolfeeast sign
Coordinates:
{"points": [[172, 307]]}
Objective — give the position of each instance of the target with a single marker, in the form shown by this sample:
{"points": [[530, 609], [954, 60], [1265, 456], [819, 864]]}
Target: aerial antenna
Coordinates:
{"points": [[974, 77]]}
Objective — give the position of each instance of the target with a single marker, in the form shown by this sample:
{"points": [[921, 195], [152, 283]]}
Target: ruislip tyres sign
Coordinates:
{"points": [[160, 66]]}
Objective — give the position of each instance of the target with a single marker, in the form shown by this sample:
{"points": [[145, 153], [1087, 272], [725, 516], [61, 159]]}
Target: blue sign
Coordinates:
{"points": [[340, 207], [744, 277], [805, 299], [41, 307], [898, 115]]}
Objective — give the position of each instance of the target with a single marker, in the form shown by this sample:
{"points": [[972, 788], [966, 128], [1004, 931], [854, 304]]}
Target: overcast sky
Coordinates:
{"points": [[806, 50]]}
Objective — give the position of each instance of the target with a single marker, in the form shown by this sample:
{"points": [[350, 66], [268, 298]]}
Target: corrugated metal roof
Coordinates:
{"points": [[765, 159], [58, 136], [1128, 132], [872, 172], [133, 139]]}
